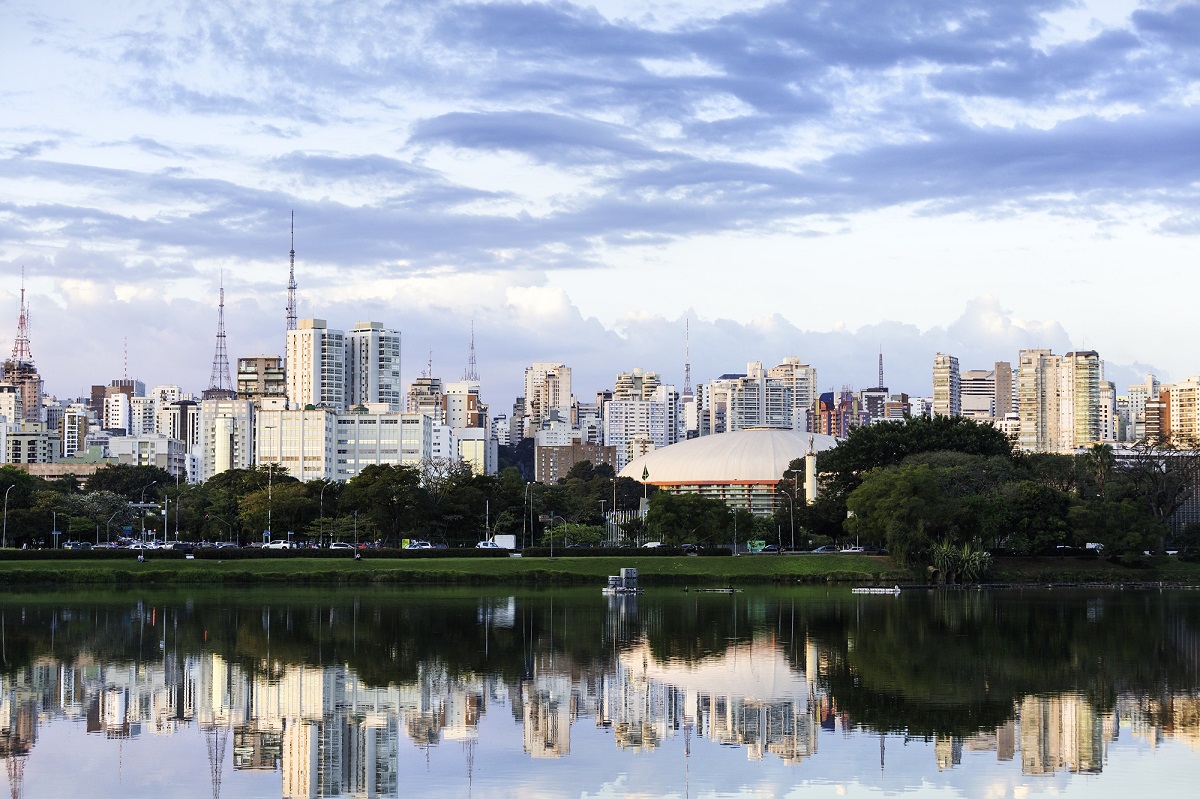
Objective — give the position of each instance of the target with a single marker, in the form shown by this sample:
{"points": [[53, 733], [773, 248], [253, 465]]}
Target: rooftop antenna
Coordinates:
{"points": [[291, 291], [428, 366], [125, 358], [687, 358], [20, 351], [881, 367], [471, 373], [220, 386]]}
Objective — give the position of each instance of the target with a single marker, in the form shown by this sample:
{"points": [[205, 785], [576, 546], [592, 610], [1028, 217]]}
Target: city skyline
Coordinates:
{"points": [[784, 180]]}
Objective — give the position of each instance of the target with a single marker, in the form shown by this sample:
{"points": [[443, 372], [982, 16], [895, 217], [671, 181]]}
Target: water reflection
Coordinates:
{"points": [[336, 696]]}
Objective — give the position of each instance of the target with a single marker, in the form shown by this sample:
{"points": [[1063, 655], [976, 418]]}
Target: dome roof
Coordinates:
{"points": [[744, 456]]}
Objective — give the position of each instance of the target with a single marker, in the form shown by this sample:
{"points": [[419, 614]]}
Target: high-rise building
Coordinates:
{"points": [[261, 377], [1183, 415], [1038, 407], [427, 395], [1080, 400], [373, 366], [226, 436], [1138, 394], [316, 365], [947, 388], [794, 383], [978, 393], [547, 390], [462, 405], [636, 426], [301, 440]]}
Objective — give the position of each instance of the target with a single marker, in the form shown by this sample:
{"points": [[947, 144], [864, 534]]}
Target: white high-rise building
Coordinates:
{"points": [[1183, 402], [117, 413], [226, 436], [649, 421], [143, 413], [547, 389], [947, 386], [373, 366], [799, 383], [316, 366], [379, 437]]}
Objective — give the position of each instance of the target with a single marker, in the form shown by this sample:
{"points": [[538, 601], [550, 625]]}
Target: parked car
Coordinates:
{"points": [[488, 545], [77, 545], [341, 545], [771, 549], [652, 545], [688, 549], [278, 544], [852, 551], [417, 544], [826, 550]]}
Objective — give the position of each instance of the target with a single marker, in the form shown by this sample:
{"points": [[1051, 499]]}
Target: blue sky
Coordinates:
{"points": [[795, 178]]}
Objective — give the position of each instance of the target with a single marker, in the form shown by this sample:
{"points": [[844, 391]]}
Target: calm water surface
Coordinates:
{"points": [[496, 693]]}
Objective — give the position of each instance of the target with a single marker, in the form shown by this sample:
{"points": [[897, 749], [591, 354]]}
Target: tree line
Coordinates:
{"points": [[441, 501]]}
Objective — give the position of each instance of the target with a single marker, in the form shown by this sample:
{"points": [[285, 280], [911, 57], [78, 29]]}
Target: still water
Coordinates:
{"points": [[498, 693]]}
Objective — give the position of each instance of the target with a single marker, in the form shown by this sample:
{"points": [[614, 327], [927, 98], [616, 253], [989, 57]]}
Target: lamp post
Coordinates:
{"points": [[604, 521], [142, 503], [229, 526], [564, 524], [322, 522], [4, 537], [107, 532], [791, 495]]}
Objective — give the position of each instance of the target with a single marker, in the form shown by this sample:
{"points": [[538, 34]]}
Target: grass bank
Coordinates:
{"points": [[759, 569], [653, 571]]}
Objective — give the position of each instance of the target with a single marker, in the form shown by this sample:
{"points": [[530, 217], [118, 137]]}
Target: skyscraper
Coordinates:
{"points": [[373, 366], [20, 371], [316, 365], [547, 389], [947, 388]]}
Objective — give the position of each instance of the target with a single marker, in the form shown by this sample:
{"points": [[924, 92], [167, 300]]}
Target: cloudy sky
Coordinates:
{"points": [[819, 179]]}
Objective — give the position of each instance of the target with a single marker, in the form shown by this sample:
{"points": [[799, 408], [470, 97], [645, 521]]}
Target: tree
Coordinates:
{"points": [[130, 481], [389, 496], [688, 518]]}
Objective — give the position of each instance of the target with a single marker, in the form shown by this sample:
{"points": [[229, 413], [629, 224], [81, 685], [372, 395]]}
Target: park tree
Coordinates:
{"points": [[389, 496], [688, 518], [131, 482]]}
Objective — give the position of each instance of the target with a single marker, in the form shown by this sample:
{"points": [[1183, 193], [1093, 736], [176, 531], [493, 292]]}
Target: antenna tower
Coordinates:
{"points": [[20, 351], [291, 303], [687, 358], [219, 383], [471, 372], [214, 740], [881, 367]]}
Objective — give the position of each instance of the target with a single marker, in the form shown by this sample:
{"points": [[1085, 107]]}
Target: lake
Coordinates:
{"points": [[515, 692]]}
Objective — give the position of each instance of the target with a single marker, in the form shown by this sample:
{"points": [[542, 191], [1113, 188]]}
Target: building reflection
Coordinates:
{"points": [[328, 733]]}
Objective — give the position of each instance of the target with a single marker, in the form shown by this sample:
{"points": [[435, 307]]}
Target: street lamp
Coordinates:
{"points": [[791, 495], [564, 524], [322, 523], [222, 521], [142, 503], [107, 531], [4, 538]]}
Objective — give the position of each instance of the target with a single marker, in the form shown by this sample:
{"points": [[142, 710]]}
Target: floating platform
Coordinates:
{"points": [[894, 591]]}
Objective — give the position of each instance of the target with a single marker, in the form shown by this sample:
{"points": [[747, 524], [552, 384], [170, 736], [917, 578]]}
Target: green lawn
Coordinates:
{"points": [[652, 570]]}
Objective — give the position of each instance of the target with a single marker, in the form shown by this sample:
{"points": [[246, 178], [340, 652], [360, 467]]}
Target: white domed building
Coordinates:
{"points": [[742, 469]]}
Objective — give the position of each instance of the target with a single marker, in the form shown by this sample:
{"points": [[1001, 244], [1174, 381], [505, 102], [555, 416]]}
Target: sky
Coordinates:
{"points": [[583, 182]]}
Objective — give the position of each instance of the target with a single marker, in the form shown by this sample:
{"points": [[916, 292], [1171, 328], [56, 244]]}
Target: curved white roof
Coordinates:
{"points": [[745, 456]]}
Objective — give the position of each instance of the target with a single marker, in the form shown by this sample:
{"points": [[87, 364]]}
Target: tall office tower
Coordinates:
{"points": [[798, 381], [1138, 394], [226, 436], [261, 377], [117, 412], [1005, 394], [1182, 415], [547, 389], [1038, 379], [427, 395], [316, 366], [1080, 400], [373, 366], [1110, 420], [20, 371], [978, 394], [220, 385], [947, 388]]}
